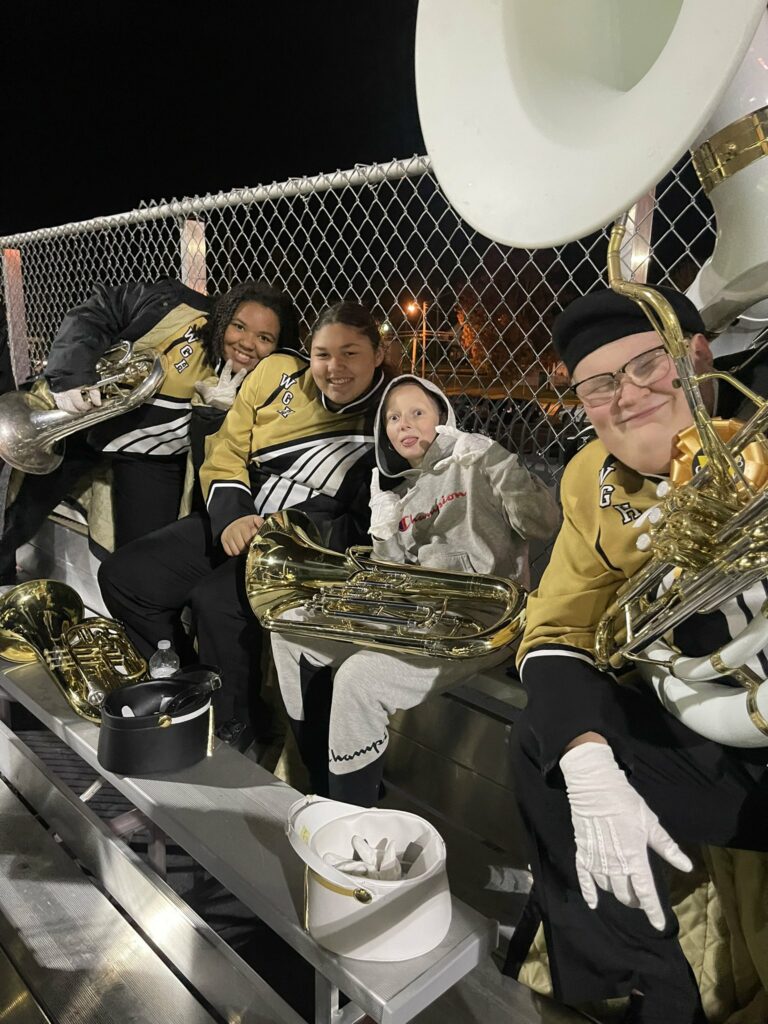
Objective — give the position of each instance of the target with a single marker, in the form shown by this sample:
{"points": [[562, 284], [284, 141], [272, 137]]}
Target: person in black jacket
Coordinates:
{"points": [[208, 348], [299, 436]]}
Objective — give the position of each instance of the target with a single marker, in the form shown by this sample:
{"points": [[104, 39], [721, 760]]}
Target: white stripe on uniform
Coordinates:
{"points": [[148, 437]]}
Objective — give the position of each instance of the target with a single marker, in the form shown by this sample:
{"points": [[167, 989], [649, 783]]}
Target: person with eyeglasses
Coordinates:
{"points": [[608, 781]]}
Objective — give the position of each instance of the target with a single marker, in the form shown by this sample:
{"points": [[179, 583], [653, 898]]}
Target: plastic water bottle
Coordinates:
{"points": [[164, 661]]}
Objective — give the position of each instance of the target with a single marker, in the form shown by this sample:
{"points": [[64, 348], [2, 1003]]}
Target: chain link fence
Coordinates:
{"points": [[472, 315]]}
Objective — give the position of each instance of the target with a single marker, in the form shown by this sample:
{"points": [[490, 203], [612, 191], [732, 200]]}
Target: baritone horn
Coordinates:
{"points": [[32, 427], [44, 620], [405, 609], [554, 119], [708, 542]]}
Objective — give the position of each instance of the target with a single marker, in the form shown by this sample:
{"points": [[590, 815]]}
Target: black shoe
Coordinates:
{"points": [[263, 718], [236, 734]]}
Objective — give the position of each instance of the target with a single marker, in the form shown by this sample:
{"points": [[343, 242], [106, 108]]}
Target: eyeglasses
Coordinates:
{"points": [[643, 370]]}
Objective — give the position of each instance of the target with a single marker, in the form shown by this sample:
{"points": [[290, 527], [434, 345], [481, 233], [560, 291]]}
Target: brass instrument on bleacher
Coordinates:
{"points": [[32, 427], [554, 119], [406, 609], [43, 620]]}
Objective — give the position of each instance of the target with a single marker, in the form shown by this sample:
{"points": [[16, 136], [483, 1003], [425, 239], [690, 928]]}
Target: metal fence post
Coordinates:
{"points": [[636, 251], [15, 313], [192, 246]]}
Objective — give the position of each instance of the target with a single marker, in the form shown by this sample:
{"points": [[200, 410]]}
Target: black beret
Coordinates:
{"points": [[594, 320]]}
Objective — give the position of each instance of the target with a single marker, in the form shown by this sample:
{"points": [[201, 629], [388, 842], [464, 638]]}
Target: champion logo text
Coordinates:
{"points": [[407, 521]]}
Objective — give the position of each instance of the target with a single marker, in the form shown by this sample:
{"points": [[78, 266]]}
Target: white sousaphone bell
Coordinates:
{"points": [[546, 120]]}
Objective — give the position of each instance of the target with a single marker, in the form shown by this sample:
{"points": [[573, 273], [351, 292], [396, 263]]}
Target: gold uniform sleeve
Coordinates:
{"points": [[228, 451], [577, 586]]}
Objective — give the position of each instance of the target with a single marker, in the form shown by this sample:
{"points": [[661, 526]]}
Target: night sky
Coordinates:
{"points": [[108, 104]]}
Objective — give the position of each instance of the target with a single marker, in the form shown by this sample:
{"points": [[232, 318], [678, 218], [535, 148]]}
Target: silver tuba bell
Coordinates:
{"points": [[554, 119], [32, 427]]}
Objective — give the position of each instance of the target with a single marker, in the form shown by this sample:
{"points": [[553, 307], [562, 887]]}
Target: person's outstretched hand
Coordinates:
{"points": [[614, 827], [77, 401], [238, 535], [468, 448], [222, 394]]}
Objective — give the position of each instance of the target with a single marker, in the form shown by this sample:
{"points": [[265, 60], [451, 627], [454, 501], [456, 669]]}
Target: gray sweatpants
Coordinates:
{"points": [[368, 687]]}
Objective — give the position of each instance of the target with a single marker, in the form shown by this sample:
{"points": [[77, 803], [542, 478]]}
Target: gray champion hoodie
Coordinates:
{"points": [[471, 513]]}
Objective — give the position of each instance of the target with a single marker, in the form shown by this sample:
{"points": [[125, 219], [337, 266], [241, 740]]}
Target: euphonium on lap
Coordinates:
{"points": [[708, 542], [32, 427], [44, 620], [407, 609]]}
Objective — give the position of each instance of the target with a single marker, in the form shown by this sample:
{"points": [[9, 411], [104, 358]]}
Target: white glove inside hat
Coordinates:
{"points": [[380, 861]]}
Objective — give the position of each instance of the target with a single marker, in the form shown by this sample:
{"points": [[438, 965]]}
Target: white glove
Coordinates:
{"points": [[613, 827], [386, 510], [348, 866], [222, 394], [468, 448], [389, 868], [378, 861], [77, 401]]}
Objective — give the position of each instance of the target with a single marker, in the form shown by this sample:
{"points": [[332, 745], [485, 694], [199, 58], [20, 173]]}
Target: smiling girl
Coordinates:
{"points": [[208, 347], [299, 435]]}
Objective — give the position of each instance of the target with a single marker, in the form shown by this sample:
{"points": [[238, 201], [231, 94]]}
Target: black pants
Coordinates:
{"points": [[146, 494], [702, 793], [39, 495], [146, 584]]}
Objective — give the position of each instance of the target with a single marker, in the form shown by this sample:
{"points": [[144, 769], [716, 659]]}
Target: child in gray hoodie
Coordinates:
{"points": [[459, 501]]}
